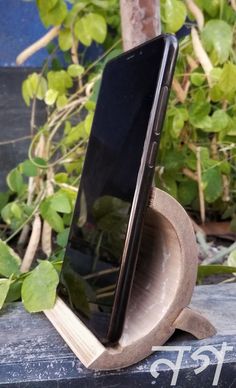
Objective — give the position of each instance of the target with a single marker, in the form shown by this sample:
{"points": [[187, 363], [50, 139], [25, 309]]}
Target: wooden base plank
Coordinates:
{"points": [[32, 353]]}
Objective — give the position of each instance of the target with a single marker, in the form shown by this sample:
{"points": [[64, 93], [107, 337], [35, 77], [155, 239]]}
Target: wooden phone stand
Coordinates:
{"points": [[162, 289]]}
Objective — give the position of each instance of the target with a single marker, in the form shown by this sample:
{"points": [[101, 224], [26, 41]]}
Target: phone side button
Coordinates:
{"points": [[152, 156], [162, 108]]}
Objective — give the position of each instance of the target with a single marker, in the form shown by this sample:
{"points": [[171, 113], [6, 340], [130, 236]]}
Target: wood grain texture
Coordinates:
{"points": [[162, 288], [33, 354], [194, 323], [140, 21]]}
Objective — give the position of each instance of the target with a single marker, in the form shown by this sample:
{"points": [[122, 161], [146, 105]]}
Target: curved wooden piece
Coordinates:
{"points": [[194, 323], [163, 286]]}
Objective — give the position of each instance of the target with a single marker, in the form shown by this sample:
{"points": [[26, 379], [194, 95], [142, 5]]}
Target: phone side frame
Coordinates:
{"points": [[142, 194]]}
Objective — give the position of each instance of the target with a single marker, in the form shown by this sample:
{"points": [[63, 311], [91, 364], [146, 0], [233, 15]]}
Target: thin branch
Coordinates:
{"points": [[101, 273], [38, 45], [196, 12], [180, 93], [201, 239], [190, 174], [233, 4], [200, 186], [40, 198], [65, 186], [226, 188], [219, 257], [46, 239], [34, 101], [201, 54], [13, 141], [32, 246]]}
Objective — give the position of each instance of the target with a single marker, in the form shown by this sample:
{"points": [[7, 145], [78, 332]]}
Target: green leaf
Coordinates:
{"points": [[62, 237], [197, 79], [214, 269], [90, 105], [59, 81], [96, 26], [220, 120], [15, 181], [228, 13], [4, 288], [46, 5], [38, 85], [9, 260], [82, 33], [173, 160], [217, 38], [75, 134], [41, 163], [169, 185], [4, 197], [180, 116], [225, 167], [51, 97], [101, 3], [73, 13], [39, 288], [26, 93], [16, 210], [65, 39], [13, 215], [173, 14], [60, 202], [34, 86], [14, 292], [215, 74], [54, 15], [6, 213], [227, 79], [88, 122], [61, 101], [51, 216], [187, 192], [41, 88], [212, 181], [75, 70], [216, 93], [29, 169], [198, 114], [231, 261], [211, 7], [61, 177]]}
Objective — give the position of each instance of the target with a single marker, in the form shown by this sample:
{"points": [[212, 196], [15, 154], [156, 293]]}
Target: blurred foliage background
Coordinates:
{"points": [[197, 158]]}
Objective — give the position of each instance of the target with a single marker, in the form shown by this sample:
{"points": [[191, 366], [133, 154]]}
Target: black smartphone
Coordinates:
{"points": [[103, 244]]}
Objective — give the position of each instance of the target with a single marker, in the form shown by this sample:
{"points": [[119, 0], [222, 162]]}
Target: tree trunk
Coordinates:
{"points": [[140, 21]]}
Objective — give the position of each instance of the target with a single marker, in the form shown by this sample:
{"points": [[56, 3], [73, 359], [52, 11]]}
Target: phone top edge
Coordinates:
{"points": [[170, 38]]}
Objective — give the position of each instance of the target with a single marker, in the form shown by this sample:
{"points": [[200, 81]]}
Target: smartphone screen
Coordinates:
{"points": [[93, 256]]}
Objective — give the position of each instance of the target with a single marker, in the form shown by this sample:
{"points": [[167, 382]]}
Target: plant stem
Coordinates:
{"points": [[15, 140], [36, 46], [32, 245], [27, 219], [218, 258]]}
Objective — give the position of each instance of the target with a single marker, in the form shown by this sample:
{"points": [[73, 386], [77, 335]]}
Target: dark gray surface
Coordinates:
{"points": [[32, 354], [14, 120]]}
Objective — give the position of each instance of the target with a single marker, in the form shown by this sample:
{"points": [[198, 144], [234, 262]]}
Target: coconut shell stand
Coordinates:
{"points": [[162, 289]]}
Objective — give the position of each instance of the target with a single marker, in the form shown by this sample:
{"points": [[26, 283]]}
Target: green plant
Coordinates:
{"points": [[37, 208], [197, 153]]}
